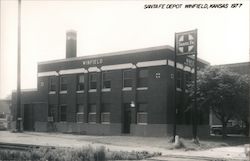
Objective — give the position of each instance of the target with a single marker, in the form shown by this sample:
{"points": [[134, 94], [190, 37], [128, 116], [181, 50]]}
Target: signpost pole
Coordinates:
{"points": [[186, 44], [195, 100], [18, 93], [174, 119]]}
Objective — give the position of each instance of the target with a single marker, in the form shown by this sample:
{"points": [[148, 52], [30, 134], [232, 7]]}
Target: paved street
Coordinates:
{"points": [[126, 143]]}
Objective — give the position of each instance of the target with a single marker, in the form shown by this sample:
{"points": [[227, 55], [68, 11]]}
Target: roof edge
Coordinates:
{"points": [[133, 51]]}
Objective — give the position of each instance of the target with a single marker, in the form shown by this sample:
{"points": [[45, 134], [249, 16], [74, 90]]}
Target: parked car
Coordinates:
{"points": [[236, 129]]}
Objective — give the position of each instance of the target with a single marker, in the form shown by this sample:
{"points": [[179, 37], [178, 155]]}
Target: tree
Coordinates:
{"points": [[223, 92]]}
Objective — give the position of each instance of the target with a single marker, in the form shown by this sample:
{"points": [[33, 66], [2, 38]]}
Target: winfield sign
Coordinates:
{"points": [[92, 62], [186, 43]]}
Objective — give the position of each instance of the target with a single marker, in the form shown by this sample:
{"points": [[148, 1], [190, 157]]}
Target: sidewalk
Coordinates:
{"points": [[119, 143]]}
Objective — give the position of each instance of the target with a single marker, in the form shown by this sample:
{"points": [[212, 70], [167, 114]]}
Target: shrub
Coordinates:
{"points": [[66, 154]]}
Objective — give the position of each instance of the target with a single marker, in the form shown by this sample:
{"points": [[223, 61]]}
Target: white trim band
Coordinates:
{"points": [[179, 66], [73, 71], [94, 69], [187, 69], [50, 73], [117, 66], [151, 63], [171, 63]]}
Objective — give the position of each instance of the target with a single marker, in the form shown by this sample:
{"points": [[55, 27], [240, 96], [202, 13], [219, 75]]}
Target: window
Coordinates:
{"points": [[92, 113], [106, 80], [127, 78], [52, 113], [2, 115], [63, 113], [143, 78], [63, 84], [188, 77], [80, 82], [142, 115], [93, 81], [80, 113], [178, 79], [105, 113], [52, 84]]}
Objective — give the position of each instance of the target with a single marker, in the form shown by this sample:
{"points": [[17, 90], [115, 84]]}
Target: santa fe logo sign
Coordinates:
{"points": [[186, 43]]}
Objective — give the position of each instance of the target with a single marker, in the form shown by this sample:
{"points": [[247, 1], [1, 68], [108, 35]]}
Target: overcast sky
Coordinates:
{"points": [[107, 26]]}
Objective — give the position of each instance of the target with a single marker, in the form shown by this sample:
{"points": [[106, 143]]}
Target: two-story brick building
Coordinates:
{"points": [[111, 94]]}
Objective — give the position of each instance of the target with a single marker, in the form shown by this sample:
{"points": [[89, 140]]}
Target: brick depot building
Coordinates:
{"points": [[127, 92]]}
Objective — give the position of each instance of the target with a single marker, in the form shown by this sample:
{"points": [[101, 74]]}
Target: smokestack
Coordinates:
{"points": [[71, 44]]}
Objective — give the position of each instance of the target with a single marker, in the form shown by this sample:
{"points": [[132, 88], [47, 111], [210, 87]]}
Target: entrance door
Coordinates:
{"points": [[28, 118], [127, 119]]}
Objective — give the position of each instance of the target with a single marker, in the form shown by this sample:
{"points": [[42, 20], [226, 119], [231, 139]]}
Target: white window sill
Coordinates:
{"points": [[79, 91], [106, 90], [105, 123], [142, 124], [52, 92], [92, 90], [79, 122], [142, 88], [92, 122], [178, 89], [63, 92], [127, 89]]}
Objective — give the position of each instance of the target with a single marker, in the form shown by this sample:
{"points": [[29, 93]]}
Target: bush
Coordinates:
{"points": [[65, 154]]}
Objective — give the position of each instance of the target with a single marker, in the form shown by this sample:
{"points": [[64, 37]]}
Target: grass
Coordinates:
{"points": [[70, 154]]}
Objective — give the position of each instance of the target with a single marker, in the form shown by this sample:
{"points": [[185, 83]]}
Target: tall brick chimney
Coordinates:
{"points": [[71, 44]]}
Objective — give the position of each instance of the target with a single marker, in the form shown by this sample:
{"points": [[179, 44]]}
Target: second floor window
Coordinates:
{"points": [[63, 84], [52, 84], [80, 82], [106, 80], [93, 81], [127, 78], [143, 78]]}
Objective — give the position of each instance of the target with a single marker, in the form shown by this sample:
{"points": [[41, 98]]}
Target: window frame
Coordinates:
{"points": [[106, 80], [90, 81], [142, 80], [78, 87], [63, 105], [65, 83], [127, 79]]}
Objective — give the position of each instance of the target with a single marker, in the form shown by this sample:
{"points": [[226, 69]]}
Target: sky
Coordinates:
{"points": [[106, 26]]}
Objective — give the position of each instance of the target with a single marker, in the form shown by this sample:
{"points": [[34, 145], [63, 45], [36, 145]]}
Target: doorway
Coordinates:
{"points": [[127, 118], [28, 118]]}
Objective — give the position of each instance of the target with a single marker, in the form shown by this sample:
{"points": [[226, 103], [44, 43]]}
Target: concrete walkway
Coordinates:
{"points": [[123, 143]]}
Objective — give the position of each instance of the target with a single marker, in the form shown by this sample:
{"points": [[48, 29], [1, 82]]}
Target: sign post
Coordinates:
{"points": [[186, 44]]}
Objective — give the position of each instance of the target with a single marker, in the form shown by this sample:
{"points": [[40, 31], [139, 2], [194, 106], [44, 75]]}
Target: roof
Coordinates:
{"points": [[110, 54]]}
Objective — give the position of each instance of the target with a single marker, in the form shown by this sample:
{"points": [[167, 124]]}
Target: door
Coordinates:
{"points": [[127, 119], [28, 118]]}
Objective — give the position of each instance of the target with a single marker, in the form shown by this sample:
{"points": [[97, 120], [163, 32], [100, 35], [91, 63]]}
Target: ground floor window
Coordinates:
{"points": [[92, 113], [105, 113], [63, 113], [105, 117], [142, 115], [52, 113], [80, 113]]}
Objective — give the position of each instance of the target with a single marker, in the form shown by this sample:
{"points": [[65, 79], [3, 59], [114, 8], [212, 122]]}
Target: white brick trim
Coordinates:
{"points": [[72, 71], [117, 66], [151, 63], [45, 74]]}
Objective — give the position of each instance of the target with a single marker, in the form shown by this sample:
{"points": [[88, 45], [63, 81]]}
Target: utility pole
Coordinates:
{"points": [[18, 93]]}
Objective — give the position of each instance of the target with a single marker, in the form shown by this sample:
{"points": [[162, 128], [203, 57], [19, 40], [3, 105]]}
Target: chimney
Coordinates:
{"points": [[70, 44]]}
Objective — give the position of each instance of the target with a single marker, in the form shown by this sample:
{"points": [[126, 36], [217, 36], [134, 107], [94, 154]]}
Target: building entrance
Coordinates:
{"points": [[127, 118], [27, 118]]}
